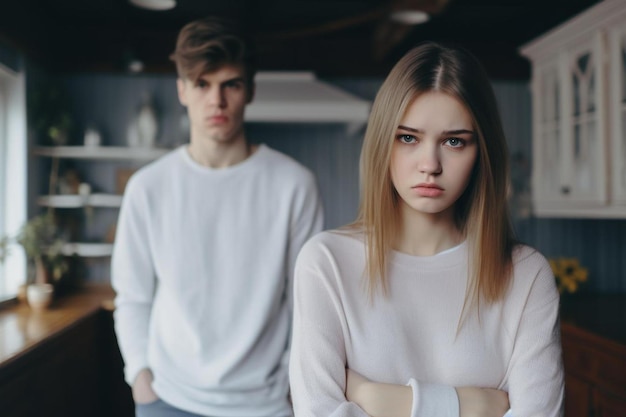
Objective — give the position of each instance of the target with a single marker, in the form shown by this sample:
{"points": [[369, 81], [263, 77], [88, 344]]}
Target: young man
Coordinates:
{"points": [[206, 243]]}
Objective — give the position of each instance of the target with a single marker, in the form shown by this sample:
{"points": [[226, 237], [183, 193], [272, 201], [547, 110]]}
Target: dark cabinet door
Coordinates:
{"points": [[577, 397], [607, 405]]}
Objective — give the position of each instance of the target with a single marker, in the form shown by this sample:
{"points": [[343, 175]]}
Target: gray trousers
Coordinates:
{"points": [[160, 408]]}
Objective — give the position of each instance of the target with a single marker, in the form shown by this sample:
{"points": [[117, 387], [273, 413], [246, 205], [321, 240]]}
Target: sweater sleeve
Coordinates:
{"points": [[536, 370], [133, 279], [317, 369], [307, 220], [318, 359]]}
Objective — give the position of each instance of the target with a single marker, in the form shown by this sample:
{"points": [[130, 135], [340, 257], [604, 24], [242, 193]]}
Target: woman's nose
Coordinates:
{"points": [[429, 160]]}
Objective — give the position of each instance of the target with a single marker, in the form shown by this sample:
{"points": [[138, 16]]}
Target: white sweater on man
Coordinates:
{"points": [[203, 267], [412, 333]]}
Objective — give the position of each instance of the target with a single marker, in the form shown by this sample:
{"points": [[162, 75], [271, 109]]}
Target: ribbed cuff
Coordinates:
{"points": [[433, 400], [131, 372]]}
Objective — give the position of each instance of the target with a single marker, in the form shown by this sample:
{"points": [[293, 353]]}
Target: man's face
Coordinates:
{"points": [[215, 103]]}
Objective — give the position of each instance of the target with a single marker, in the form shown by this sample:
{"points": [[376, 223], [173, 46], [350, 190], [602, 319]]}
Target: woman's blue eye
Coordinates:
{"points": [[406, 138], [456, 142]]}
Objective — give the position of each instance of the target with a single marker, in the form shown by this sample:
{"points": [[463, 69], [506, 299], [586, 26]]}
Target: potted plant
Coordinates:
{"points": [[49, 106], [43, 246]]}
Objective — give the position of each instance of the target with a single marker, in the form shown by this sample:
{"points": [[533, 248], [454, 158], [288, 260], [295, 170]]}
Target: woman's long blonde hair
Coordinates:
{"points": [[481, 213]]}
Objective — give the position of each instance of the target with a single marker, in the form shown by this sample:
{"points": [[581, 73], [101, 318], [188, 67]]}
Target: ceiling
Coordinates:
{"points": [[334, 38]]}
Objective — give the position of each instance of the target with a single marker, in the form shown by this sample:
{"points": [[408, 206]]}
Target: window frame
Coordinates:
{"points": [[13, 176]]}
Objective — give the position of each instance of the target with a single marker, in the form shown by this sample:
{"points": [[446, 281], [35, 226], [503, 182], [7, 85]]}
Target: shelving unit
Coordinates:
{"points": [[94, 200], [101, 152], [88, 250], [77, 201]]}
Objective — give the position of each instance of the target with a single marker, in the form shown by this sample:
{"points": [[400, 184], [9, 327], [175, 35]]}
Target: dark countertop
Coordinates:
{"points": [[601, 314]]}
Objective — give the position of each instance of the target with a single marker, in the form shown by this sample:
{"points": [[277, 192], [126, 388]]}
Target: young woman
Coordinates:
{"points": [[428, 287]]}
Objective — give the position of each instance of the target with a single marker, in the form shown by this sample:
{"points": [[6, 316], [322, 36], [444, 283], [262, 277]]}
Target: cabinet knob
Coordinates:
{"points": [[565, 190]]}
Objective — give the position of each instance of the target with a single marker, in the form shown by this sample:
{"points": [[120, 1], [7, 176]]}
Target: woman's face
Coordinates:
{"points": [[433, 154]]}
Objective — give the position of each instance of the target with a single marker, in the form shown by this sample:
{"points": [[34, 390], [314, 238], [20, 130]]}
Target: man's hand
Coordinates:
{"points": [[482, 402], [142, 388]]}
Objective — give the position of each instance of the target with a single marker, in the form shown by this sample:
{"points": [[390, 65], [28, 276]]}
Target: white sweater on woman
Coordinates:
{"points": [[412, 333], [203, 266]]}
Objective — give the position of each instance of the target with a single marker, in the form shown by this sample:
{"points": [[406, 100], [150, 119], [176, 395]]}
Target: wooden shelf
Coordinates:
{"points": [[78, 201], [88, 250], [101, 152]]}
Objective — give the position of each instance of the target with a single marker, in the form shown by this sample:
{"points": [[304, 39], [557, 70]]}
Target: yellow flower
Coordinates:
{"points": [[568, 273]]}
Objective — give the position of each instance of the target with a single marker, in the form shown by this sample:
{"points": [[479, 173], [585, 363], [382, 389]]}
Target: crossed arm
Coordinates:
{"points": [[324, 344], [391, 400]]}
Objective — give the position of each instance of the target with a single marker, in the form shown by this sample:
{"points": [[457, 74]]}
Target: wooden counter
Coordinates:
{"points": [[22, 329], [594, 355], [63, 361]]}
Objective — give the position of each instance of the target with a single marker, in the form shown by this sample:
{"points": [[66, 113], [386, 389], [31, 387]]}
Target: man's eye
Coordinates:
{"points": [[234, 85]]}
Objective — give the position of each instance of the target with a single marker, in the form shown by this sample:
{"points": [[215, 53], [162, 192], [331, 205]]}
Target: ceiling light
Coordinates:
{"points": [[154, 4], [410, 17]]}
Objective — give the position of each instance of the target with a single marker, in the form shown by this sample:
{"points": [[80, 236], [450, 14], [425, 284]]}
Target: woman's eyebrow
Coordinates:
{"points": [[445, 132], [458, 132], [410, 129]]}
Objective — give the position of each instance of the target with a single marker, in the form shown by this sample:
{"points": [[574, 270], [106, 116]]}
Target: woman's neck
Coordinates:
{"points": [[423, 234]]}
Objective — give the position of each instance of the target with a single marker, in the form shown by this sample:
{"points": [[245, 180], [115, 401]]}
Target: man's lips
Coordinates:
{"points": [[218, 119]]}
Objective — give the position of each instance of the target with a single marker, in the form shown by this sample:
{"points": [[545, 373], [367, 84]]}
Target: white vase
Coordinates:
{"points": [[39, 296], [147, 125]]}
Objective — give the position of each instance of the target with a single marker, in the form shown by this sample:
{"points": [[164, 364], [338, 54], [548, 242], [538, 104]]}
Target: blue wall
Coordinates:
{"points": [[108, 102]]}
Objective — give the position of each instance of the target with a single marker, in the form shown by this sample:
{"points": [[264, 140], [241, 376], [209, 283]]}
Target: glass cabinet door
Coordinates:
{"points": [[585, 162], [548, 119], [617, 51]]}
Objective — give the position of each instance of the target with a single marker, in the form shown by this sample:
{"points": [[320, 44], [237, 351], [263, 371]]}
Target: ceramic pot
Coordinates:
{"points": [[39, 296], [21, 293]]}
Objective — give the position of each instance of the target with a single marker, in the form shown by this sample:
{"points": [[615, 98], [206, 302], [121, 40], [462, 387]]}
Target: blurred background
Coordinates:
{"points": [[76, 77]]}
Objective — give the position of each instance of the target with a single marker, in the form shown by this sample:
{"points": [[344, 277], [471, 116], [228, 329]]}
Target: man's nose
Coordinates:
{"points": [[217, 97]]}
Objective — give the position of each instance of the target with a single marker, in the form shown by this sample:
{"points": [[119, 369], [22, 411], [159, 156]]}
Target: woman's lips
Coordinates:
{"points": [[428, 190]]}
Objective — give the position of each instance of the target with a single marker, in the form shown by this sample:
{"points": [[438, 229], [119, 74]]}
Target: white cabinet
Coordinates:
{"points": [[579, 122], [91, 200], [617, 50]]}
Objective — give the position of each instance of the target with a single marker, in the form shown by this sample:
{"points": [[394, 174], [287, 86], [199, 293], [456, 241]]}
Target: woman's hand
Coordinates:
{"points": [[355, 385], [391, 400], [482, 402], [376, 399], [142, 388]]}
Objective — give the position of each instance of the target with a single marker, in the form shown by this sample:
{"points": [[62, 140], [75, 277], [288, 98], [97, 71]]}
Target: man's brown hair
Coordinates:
{"points": [[205, 45]]}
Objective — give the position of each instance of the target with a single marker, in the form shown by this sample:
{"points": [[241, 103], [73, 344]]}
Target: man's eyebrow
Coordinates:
{"points": [[234, 79]]}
